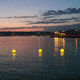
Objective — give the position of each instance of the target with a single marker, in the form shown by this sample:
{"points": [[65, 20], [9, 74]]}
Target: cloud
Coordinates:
{"points": [[21, 17], [25, 17], [60, 12], [77, 19], [47, 22], [57, 20], [26, 21], [48, 17], [50, 12], [51, 21]]}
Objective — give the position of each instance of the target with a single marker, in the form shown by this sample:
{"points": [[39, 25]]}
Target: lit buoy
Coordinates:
{"points": [[13, 51], [62, 50], [40, 50]]}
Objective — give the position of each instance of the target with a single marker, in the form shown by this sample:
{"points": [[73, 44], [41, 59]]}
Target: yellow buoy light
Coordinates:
{"points": [[13, 51], [40, 50], [62, 50]]}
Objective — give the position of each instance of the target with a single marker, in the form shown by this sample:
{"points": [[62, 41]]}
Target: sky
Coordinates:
{"points": [[39, 13], [31, 7]]}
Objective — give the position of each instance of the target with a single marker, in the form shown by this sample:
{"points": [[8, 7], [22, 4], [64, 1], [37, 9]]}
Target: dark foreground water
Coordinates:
{"points": [[28, 64]]}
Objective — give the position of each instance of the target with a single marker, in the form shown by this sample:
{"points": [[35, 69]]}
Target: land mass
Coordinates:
{"points": [[68, 34]]}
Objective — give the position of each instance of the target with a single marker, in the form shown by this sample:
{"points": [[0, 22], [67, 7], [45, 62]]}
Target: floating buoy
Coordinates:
{"points": [[13, 51], [40, 50], [62, 50]]}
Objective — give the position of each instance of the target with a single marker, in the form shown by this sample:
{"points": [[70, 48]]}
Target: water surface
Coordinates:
{"points": [[28, 64]]}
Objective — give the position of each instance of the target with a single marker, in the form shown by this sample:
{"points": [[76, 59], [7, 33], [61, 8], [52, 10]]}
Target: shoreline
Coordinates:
{"points": [[67, 36]]}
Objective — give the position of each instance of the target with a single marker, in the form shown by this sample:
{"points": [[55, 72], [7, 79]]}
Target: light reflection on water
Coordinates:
{"points": [[29, 64]]}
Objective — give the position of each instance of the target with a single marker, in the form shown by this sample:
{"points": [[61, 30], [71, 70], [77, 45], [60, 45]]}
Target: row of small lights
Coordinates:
{"points": [[39, 51]]}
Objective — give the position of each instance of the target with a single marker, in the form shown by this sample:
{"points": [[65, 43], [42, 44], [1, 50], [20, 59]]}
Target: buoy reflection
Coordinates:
{"points": [[62, 54], [14, 54], [40, 54]]}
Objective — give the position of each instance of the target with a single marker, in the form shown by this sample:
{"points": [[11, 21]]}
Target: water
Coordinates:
{"points": [[28, 64]]}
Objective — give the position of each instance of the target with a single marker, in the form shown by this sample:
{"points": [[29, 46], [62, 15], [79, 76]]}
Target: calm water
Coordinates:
{"points": [[28, 64]]}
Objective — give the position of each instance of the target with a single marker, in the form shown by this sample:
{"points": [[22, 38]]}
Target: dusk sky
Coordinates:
{"points": [[39, 13]]}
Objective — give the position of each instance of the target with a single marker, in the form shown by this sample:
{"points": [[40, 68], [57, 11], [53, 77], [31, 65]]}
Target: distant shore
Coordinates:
{"points": [[36, 33], [67, 36]]}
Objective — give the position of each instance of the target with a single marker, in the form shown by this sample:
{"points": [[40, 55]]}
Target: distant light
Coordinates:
{"points": [[40, 50], [38, 33], [63, 31], [56, 32]]}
